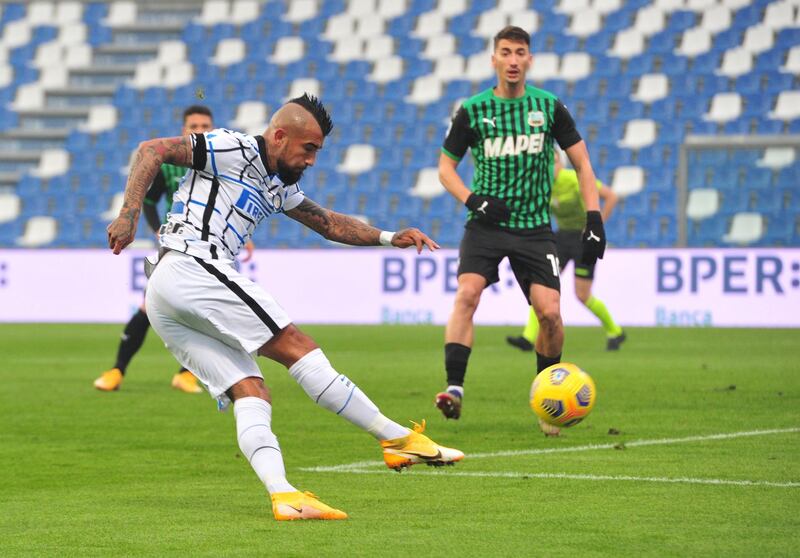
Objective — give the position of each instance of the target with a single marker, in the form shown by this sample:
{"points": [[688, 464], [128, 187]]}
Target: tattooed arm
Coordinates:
{"points": [[347, 230], [146, 164]]}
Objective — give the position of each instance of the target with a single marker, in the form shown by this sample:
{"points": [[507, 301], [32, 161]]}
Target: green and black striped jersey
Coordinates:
{"points": [[165, 183], [512, 145]]}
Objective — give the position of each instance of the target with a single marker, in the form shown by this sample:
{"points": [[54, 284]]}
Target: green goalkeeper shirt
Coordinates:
{"points": [[512, 145], [165, 183]]}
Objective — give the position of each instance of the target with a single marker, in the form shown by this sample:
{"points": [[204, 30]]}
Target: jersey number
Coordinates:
{"points": [[554, 262]]}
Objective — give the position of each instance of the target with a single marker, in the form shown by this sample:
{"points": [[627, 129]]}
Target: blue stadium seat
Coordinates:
{"points": [[681, 21]]}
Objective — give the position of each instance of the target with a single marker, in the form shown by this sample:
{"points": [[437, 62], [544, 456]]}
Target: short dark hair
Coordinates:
{"points": [[512, 33], [313, 105], [197, 109]]}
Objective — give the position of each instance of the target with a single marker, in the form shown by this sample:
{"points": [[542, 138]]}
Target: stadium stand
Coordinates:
{"points": [[81, 83]]}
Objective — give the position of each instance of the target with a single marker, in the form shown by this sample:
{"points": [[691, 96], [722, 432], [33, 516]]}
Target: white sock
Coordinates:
{"points": [[337, 393], [258, 444], [456, 389]]}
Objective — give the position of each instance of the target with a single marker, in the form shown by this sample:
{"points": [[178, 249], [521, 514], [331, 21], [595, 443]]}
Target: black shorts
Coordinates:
{"points": [[532, 254], [570, 247]]}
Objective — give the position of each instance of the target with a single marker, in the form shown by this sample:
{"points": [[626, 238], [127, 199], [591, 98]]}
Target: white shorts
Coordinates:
{"points": [[212, 318]]}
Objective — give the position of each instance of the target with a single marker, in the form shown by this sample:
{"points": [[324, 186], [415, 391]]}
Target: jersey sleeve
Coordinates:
{"points": [[460, 136], [216, 152], [564, 130], [294, 195]]}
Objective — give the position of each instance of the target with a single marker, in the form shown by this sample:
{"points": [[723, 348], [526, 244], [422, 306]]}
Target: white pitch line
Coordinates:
{"points": [[570, 476], [510, 453]]}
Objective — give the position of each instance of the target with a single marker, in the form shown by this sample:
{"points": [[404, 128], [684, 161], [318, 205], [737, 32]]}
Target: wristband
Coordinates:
{"points": [[386, 238]]}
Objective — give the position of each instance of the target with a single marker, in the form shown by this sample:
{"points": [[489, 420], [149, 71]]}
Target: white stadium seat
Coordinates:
{"points": [[651, 87], [427, 185], [792, 65], [378, 47], [288, 50], [627, 44], [251, 116], [48, 54], [54, 162], [340, 26], [28, 96], [347, 49], [147, 74], [430, 24], [386, 70], [545, 66], [425, 90], [694, 42], [214, 12], [361, 7], [170, 52], [9, 207], [369, 25], [585, 23], [68, 12], [243, 11], [627, 181], [78, 56], [702, 204], [101, 118], [575, 66], [669, 6], [72, 33], [787, 107], [121, 13], [479, 67], [303, 85], [735, 4], [735, 63], [439, 46], [178, 74], [758, 39], [779, 15], [606, 6], [512, 6], [572, 6], [117, 201], [451, 8], [638, 133], [649, 21], [700, 5], [358, 158], [6, 74], [776, 158], [746, 228], [489, 23], [41, 13], [389, 9], [301, 10], [39, 231], [229, 51], [716, 19], [449, 68], [16, 33], [724, 107], [53, 77]]}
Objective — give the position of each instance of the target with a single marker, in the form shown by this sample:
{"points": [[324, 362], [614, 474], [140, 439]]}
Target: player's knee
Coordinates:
{"points": [[549, 318], [250, 387], [468, 297]]}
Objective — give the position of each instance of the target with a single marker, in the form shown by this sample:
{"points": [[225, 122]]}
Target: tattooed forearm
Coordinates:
{"points": [[149, 157], [335, 226]]}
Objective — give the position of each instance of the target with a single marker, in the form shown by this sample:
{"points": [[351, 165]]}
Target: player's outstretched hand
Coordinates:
{"points": [[413, 237], [488, 208], [121, 232], [594, 238]]}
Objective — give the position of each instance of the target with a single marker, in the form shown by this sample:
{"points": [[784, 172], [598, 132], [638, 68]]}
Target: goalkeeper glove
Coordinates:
{"points": [[488, 208], [594, 238]]}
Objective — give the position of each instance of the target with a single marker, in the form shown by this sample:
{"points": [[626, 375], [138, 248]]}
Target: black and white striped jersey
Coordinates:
{"points": [[224, 196]]}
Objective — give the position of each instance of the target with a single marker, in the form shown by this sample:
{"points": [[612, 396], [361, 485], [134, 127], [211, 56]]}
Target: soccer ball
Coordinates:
{"points": [[562, 394]]}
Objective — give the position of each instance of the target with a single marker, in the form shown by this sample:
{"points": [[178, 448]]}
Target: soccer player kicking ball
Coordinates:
{"points": [[566, 206], [510, 129], [215, 320]]}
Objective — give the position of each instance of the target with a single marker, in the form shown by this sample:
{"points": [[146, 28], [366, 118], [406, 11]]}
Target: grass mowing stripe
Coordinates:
{"points": [[572, 476], [511, 453]]}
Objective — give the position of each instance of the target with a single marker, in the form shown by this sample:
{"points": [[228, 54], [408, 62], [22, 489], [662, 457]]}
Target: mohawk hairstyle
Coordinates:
{"points": [[313, 105]]}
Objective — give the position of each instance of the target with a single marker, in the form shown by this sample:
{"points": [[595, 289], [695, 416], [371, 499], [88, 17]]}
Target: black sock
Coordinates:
{"points": [[455, 362], [132, 339], [543, 362]]}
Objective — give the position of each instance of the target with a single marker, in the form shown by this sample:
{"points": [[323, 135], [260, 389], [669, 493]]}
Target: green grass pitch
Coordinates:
{"points": [[148, 471]]}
